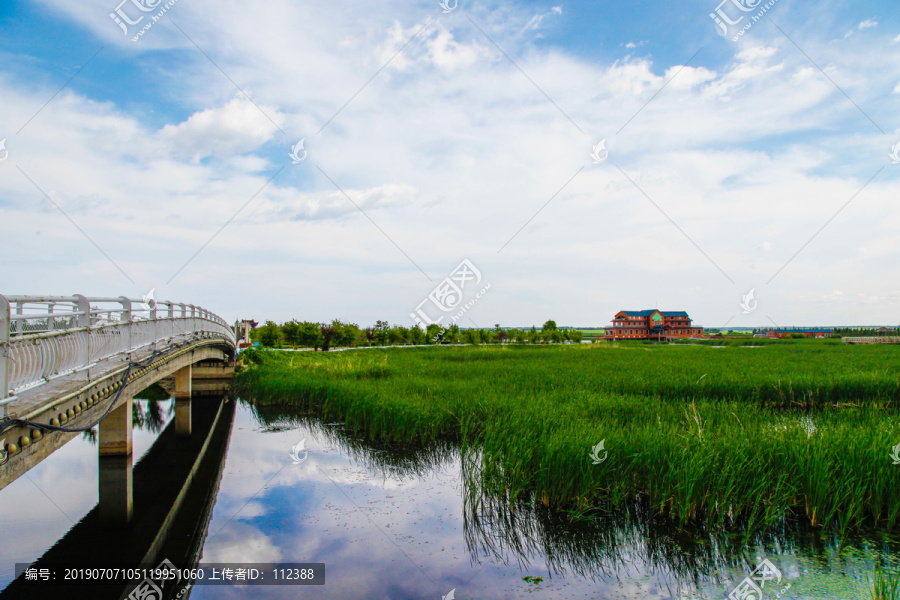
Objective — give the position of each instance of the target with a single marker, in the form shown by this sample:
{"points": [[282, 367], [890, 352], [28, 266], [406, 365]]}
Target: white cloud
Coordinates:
{"points": [[867, 24], [755, 52], [537, 20], [288, 205], [237, 127], [445, 52], [241, 543]]}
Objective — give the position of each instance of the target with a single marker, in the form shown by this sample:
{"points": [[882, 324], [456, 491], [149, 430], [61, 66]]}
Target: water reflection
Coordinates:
{"points": [[646, 555], [41, 507], [689, 560], [170, 493], [404, 522], [396, 461], [151, 415]]}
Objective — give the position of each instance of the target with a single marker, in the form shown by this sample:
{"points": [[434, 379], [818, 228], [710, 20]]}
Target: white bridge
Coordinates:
{"points": [[42, 338], [70, 363]]}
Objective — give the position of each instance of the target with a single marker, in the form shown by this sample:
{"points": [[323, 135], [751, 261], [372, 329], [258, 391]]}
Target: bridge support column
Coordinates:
{"points": [[115, 481], [115, 431], [183, 402]]}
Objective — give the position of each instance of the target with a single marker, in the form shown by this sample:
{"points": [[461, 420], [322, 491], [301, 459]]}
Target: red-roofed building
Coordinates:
{"points": [[652, 325]]}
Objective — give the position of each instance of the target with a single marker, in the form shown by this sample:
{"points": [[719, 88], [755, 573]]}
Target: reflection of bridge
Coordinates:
{"points": [[68, 363], [175, 488]]}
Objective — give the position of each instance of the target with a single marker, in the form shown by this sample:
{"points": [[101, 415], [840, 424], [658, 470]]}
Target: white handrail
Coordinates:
{"points": [[44, 337]]}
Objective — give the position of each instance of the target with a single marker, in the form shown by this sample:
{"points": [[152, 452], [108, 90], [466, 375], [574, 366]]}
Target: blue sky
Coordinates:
{"points": [[758, 164]]}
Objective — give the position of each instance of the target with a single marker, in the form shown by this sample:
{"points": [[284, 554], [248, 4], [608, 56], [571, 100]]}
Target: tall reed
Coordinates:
{"points": [[884, 585]]}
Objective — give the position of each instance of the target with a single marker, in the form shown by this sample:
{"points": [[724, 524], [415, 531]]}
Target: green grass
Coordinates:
{"points": [[884, 585], [735, 437], [593, 332]]}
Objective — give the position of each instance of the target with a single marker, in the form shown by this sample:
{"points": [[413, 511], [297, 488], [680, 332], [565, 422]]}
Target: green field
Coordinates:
{"points": [[589, 333], [734, 437]]}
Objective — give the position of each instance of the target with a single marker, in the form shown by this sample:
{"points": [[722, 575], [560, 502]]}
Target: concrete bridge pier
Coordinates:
{"points": [[183, 402], [115, 464]]}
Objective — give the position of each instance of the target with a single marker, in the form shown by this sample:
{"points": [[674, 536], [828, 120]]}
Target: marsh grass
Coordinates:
{"points": [[768, 434], [884, 586]]}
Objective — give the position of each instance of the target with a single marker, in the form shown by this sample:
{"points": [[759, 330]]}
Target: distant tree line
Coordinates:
{"points": [[865, 332], [337, 334]]}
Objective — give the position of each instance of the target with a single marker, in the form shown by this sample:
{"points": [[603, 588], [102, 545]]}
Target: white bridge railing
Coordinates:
{"points": [[44, 337]]}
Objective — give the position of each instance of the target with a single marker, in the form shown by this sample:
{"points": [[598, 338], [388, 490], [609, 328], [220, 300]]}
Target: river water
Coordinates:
{"points": [[393, 523]]}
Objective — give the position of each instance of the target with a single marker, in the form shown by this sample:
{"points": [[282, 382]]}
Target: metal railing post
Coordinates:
{"points": [[170, 322], [128, 316], [50, 308], [155, 325], [4, 349], [19, 311], [171, 326], [84, 320]]}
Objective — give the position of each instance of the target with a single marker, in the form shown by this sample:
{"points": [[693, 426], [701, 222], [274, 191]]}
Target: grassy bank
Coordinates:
{"points": [[735, 437]]}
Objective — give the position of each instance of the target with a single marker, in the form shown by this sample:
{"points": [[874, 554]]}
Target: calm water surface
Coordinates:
{"points": [[391, 523]]}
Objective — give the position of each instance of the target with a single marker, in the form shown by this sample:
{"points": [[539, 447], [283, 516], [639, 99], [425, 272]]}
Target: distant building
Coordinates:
{"points": [[812, 332], [652, 325]]}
